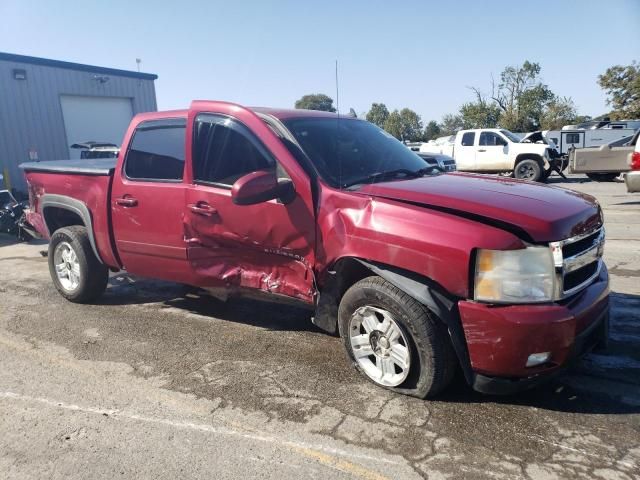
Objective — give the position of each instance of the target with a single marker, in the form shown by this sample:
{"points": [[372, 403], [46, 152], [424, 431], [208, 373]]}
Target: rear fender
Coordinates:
{"points": [[52, 201]]}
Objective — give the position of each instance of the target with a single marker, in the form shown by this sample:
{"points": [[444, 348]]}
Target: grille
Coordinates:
{"points": [[578, 261], [579, 276], [575, 248]]}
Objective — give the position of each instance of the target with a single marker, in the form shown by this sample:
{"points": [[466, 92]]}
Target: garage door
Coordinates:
{"points": [[99, 119]]}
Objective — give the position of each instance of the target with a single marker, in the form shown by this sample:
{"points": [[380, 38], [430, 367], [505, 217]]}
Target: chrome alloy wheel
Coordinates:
{"points": [[67, 266], [379, 346]]}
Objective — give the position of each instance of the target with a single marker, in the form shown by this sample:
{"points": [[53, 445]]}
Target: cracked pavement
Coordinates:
{"points": [[156, 381]]}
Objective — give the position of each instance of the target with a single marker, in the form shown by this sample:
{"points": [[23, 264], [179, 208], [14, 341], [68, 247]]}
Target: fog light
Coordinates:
{"points": [[536, 359]]}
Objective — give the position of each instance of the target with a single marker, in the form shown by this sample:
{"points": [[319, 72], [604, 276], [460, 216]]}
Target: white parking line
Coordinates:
{"points": [[322, 454]]}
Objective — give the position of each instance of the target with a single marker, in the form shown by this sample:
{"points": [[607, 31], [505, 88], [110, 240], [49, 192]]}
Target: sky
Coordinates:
{"points": [[418, 54]]}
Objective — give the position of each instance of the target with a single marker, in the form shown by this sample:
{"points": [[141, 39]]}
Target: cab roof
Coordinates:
{"points": [[279, 113]]}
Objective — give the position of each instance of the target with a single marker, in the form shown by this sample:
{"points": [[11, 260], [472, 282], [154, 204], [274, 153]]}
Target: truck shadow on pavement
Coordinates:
{"points": [[272, 316], [601, 383]]}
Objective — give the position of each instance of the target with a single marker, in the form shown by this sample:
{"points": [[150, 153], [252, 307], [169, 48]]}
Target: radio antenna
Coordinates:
{"points": [[337, 90]]}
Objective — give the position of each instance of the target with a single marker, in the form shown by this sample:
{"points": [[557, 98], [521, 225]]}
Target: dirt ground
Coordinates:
{"points": [[156, 382]]}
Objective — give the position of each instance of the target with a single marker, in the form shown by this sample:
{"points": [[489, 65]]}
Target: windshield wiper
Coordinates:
{"points": [[423, 171], [374, 177]]}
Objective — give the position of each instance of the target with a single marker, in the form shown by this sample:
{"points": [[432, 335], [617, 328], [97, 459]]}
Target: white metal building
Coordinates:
{"points": [[47, 105]]}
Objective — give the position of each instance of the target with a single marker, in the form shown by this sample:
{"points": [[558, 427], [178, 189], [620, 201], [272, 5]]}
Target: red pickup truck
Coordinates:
{"points": [[418, 271]]}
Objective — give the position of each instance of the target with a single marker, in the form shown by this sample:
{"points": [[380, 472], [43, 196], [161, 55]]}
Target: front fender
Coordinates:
{"points": [[423, 289]]}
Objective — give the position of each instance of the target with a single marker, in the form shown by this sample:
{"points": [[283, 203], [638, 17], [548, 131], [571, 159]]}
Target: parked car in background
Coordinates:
{"points": [[419, 272], [632, 178], [603, 163], [494, 150], [91, 150], [444, 163]]}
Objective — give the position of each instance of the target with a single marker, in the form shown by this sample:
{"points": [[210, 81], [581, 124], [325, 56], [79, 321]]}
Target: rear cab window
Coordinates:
{"points": [[157, 151]]}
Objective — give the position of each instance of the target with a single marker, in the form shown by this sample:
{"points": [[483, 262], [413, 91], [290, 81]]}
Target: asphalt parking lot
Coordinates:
{"points": [[158, 382]]}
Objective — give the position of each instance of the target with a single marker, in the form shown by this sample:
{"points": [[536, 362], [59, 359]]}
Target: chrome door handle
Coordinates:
{"points": [[202, 208], [482, 150], [127, 202]]}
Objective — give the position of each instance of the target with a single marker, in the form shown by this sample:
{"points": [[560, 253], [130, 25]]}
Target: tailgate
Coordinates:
{"points": [[600, 159]]}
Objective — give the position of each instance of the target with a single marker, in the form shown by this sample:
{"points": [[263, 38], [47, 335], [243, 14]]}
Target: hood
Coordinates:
{"points": [[539, 138], [534, 137], [539, 212]]}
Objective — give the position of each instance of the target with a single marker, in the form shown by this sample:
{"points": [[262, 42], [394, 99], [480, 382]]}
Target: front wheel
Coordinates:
{"points": [[528, 169], [393, 340], [76, 272]]}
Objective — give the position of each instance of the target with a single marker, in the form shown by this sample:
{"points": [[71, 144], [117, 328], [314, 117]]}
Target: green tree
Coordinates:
{"points": [[451, 124], [404, 125], [522, 97], [622, 84], [482, 113], [558, 113], [378, 114], [431, 131], [316, 101]]}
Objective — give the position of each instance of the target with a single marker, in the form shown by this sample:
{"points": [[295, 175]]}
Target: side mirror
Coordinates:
{"points": [[261, 186]]}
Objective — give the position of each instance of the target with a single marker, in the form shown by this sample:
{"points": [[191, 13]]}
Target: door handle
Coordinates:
{"points": [[202, 208], [127, 201], [482, 150]]}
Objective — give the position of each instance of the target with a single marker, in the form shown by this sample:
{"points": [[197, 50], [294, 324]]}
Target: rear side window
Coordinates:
{"points": [[156, 152], [225, 150], [468, 139]]}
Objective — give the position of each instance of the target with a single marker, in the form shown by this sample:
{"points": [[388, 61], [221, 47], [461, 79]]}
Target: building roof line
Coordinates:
{"points": [[12, 57]]}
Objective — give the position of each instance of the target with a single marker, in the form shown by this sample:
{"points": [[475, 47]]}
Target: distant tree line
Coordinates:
{"points": [[519, 102]]}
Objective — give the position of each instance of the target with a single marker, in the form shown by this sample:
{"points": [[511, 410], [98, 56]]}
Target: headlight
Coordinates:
{"points": [[514, 276]]}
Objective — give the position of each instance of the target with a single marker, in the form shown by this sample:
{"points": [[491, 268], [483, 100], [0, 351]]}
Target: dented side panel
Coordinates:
{"points": [[269, 246], [433, 244]]}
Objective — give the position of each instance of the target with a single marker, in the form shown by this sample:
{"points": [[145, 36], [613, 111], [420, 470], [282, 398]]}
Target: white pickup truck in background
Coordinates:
{"points": [[495, 150]]}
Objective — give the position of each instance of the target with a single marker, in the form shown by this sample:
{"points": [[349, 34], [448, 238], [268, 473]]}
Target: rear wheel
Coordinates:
{"points": [[603, 177], [528, 169], [393, 340], [76, 272]]}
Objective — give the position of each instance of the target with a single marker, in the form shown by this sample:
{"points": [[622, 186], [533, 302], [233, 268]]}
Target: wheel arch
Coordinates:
{"points": [[348, 270], [62, 211], [529, 156]]}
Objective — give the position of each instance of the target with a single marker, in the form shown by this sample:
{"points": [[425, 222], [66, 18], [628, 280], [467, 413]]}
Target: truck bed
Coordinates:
{"points": [[96, 166], [84, 186]]}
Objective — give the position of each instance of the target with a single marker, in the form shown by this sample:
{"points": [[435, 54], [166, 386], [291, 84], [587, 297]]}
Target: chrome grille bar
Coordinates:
{"points": [[590, 254]]}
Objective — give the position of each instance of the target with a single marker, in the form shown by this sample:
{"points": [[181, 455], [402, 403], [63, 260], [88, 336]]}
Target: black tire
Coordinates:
{"points": [[433, 361], [528, 169], [93, 275], [603, 177]]}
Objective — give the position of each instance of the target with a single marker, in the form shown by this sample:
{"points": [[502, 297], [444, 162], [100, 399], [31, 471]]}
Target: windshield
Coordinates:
{"points": [[510, 135], [346, 150]]}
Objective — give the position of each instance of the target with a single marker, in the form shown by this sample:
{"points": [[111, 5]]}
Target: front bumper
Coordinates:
{"points": [[632, 180], [501, 338]]}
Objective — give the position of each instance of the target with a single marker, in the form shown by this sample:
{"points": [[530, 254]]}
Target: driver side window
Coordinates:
{"points": [[490, 139], [225, 150]]}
